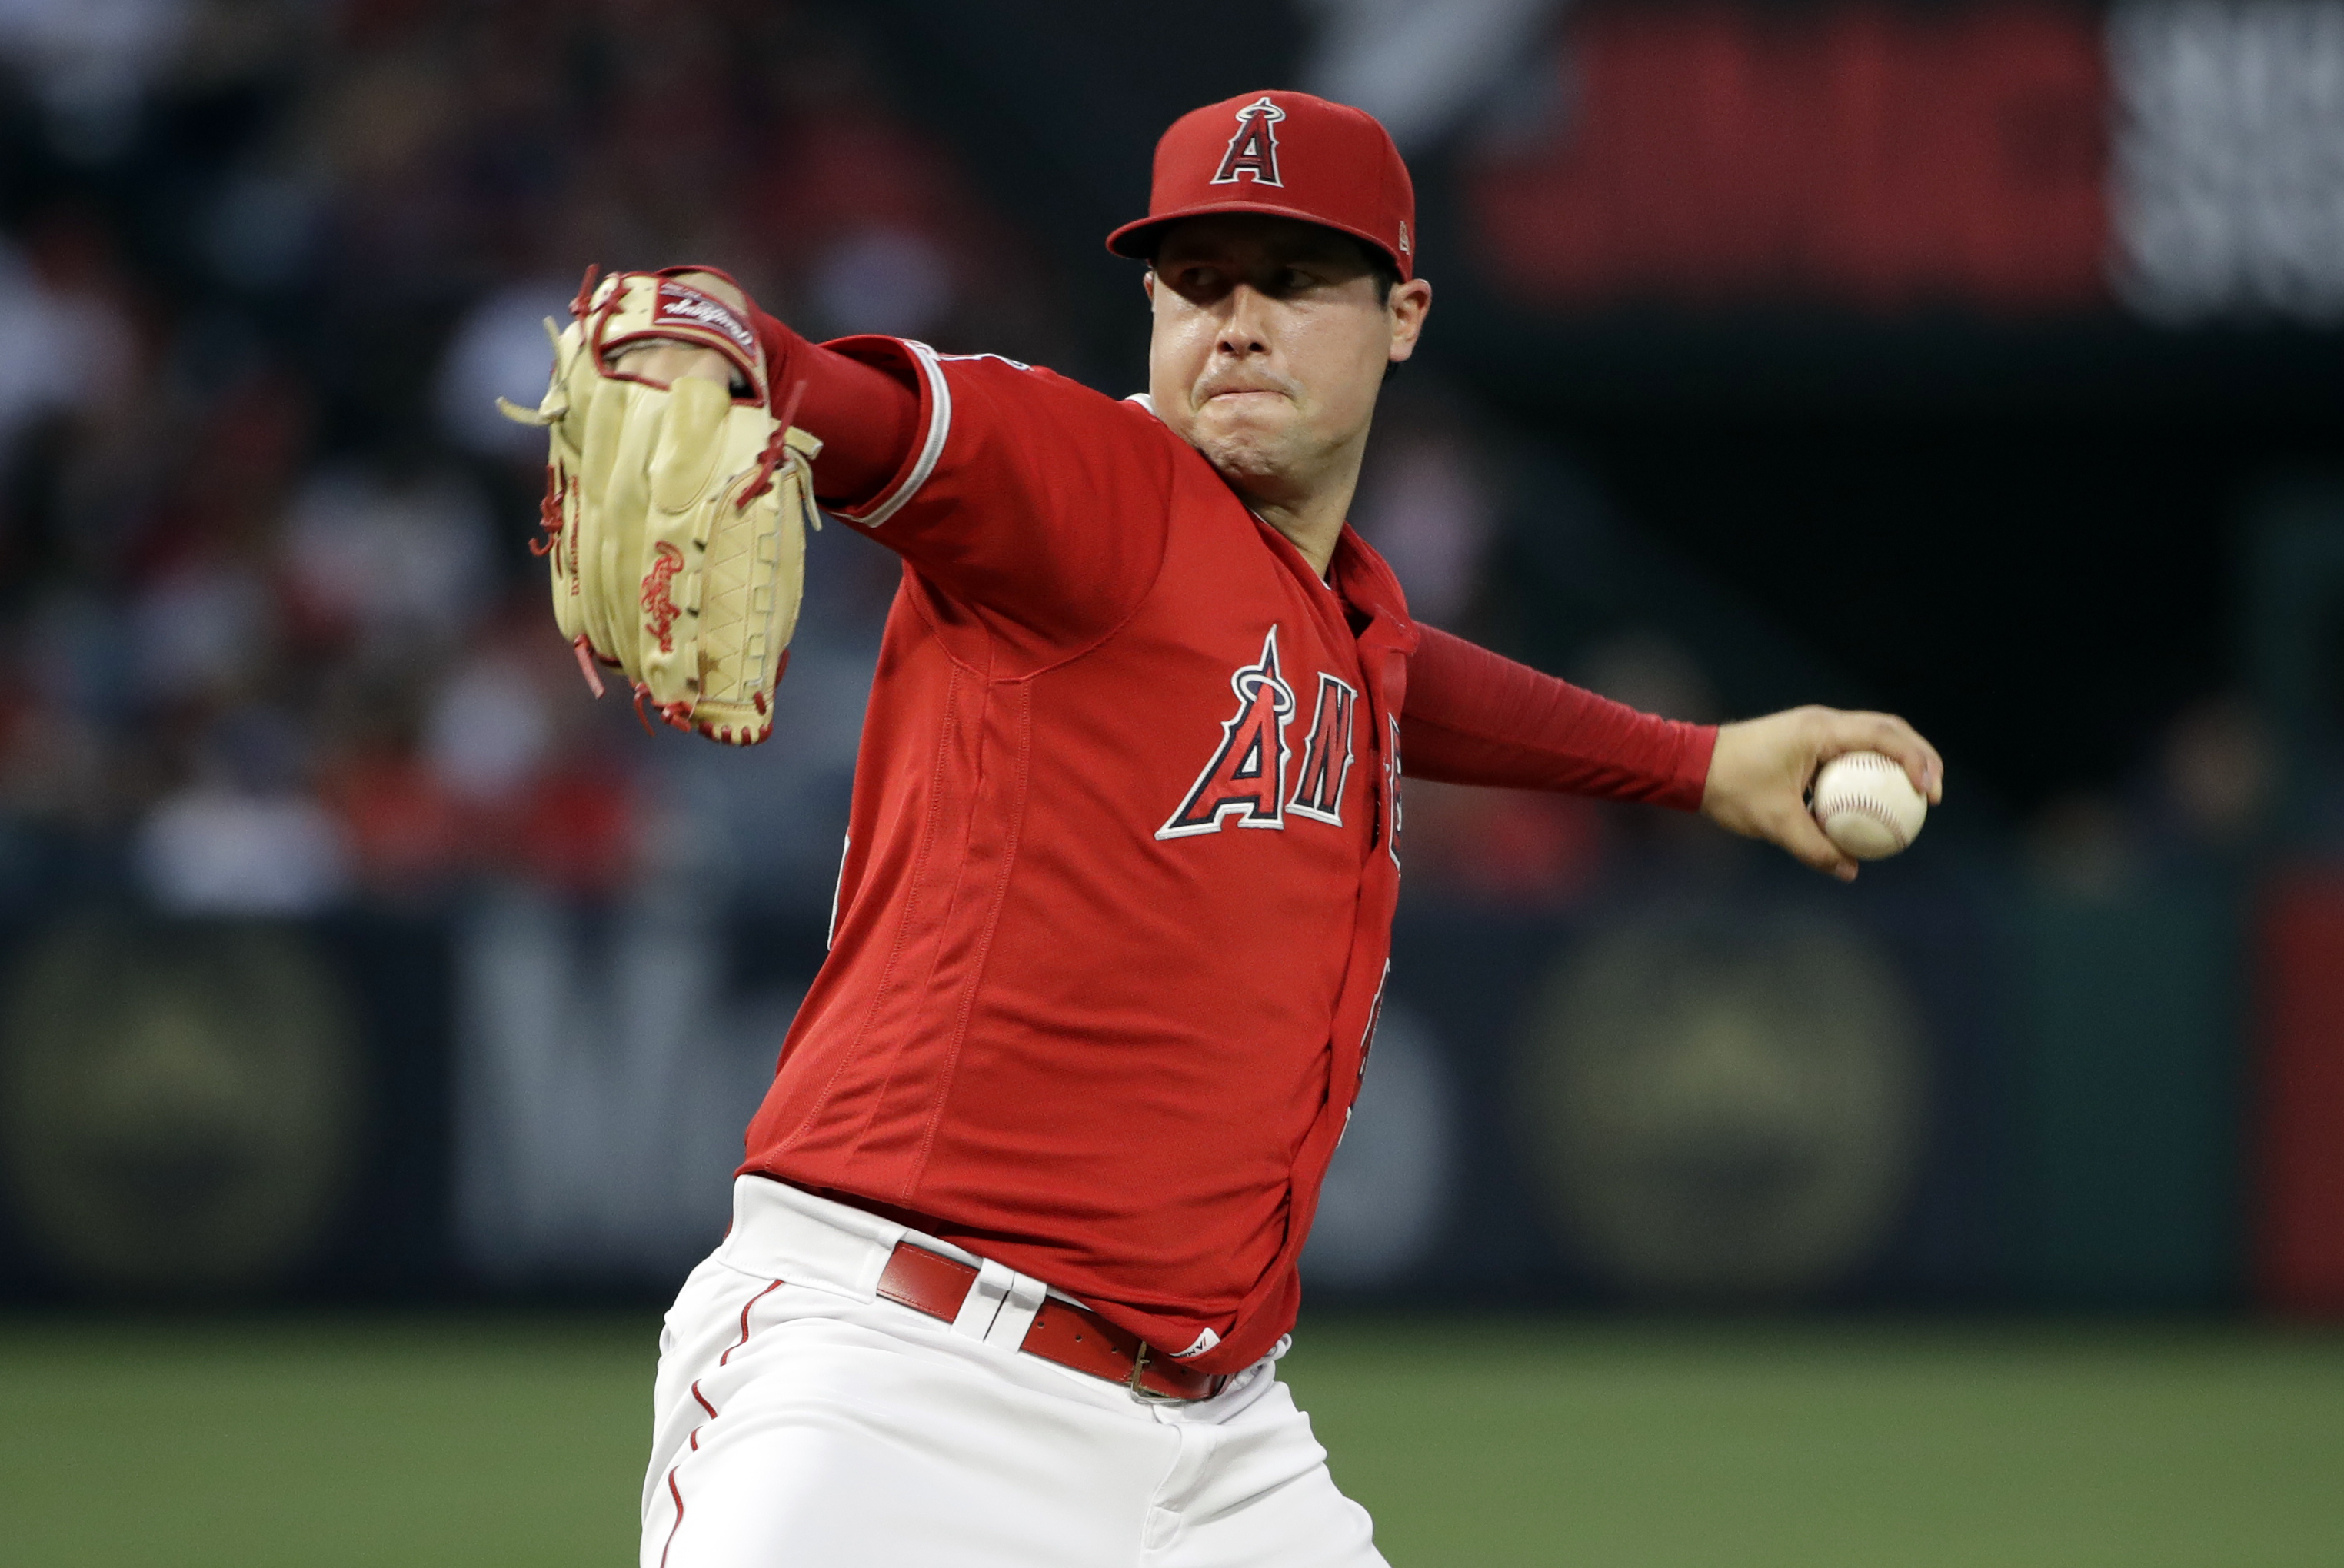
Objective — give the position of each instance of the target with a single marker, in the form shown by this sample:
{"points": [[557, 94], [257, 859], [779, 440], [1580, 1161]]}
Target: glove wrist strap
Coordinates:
{"points": [[676, 312]]}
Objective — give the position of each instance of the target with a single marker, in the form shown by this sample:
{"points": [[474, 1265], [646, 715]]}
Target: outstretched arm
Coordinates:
{"points": [[1474, 717]]}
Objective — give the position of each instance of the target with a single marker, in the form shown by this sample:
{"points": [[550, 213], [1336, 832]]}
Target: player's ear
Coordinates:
{"points": [[1148, 283], [1409, 303]]}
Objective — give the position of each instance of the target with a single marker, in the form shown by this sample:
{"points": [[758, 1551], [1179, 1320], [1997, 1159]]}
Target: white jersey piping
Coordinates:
{"points": [[939, 427]]}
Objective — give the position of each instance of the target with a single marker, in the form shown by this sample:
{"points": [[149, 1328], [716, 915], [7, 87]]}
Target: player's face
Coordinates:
{"points": [[1268, 348]]}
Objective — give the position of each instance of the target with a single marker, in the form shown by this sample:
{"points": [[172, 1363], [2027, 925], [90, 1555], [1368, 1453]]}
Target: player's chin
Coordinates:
{"points": [[1245, 453]]}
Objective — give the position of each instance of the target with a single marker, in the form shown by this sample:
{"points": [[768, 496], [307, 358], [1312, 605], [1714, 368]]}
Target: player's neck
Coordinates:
{"points": [[1312, 532], [1310, 515]]}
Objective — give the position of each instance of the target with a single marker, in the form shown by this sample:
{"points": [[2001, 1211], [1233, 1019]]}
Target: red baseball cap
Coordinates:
{"points": [[1289, 155]]}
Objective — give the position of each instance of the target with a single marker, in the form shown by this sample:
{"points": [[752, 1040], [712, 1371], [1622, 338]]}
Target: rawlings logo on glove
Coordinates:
{"points": [[675, 517], [659, 608], [680, 305]]}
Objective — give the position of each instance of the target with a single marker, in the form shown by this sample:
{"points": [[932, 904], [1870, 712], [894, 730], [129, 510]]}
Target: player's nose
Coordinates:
{"points": [[1244, 325]]}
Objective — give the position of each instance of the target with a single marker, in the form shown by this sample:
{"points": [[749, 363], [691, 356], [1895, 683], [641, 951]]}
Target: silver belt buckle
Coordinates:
{"points": [[1139, 1365]]}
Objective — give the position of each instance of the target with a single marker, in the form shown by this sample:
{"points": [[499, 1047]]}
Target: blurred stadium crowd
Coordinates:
{"points": [[263, 266]]}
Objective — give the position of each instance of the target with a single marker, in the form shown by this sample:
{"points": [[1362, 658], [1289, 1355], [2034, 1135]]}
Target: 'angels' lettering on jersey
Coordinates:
{"points": [[1247, 777], [1319, 784]]}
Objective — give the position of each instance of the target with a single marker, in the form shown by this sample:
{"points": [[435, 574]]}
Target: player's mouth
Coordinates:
{"points": [[1216, 389], [1245, 408]]}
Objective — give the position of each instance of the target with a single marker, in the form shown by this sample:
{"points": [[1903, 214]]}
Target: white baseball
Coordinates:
{"points": [[1865, 804]]}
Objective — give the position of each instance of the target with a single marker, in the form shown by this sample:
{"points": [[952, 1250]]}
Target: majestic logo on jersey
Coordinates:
{"points": [[1327, 756], [1203, 1343], [1253, 149], [1247, 777]]}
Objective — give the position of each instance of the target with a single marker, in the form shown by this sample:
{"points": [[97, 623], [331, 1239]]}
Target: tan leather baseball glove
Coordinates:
{"points": [[675, 516]]}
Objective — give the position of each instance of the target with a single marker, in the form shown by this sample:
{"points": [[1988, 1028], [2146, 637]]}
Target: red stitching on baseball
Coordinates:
{"points": [[1864, 806], [1874, 810]]}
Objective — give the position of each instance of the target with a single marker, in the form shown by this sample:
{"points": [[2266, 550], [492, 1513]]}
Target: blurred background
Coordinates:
{"points": [[379, 1013]]}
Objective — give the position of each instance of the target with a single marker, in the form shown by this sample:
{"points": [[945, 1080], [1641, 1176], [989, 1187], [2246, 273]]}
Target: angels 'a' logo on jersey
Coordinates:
{"points": [[1247, 777], [1326, 755], [1253, 149]]}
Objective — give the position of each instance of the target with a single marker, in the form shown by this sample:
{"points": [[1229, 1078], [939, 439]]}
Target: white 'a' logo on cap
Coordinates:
{"points": [[1253, 149]]}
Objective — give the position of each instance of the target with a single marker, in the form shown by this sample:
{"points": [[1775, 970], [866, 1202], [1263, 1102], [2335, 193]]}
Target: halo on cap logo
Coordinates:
{"points": [[1253, 150]]}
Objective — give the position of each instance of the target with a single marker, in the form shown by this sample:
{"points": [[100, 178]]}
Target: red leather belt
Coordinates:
{"points": [[1069, 1335]]}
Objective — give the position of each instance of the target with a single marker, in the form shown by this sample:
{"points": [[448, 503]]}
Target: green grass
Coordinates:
{"points": [[514, 1442], [1823, 1446], [340, 1443]]}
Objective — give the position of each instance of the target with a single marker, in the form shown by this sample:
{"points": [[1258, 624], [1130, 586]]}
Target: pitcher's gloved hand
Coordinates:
{"points": [[676, 503]]}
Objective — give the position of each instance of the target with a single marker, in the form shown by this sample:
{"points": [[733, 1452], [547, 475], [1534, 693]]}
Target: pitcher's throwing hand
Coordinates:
{"points": [[1759, 774]]}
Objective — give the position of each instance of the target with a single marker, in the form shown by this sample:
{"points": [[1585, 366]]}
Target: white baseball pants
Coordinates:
{"points": [[804, 1421]]}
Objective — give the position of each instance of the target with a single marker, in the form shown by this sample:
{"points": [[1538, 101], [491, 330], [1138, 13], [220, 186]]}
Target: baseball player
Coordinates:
{"points": [[1013, 1251]]}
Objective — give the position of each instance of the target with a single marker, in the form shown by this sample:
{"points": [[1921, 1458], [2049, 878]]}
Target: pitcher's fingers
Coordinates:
{"points": [[663, 362], [1892, 737], [1797, 832]]}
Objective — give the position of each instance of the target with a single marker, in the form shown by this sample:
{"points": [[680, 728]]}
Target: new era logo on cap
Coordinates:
{"points": [[1286, 155]]}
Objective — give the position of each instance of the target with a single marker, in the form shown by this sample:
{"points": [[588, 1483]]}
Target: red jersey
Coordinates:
{"points": [[1113, 922]]}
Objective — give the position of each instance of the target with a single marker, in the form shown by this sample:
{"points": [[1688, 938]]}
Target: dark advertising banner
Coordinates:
{"points": [[1739, 1092], [225, 1109], [1736, 1097]]}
